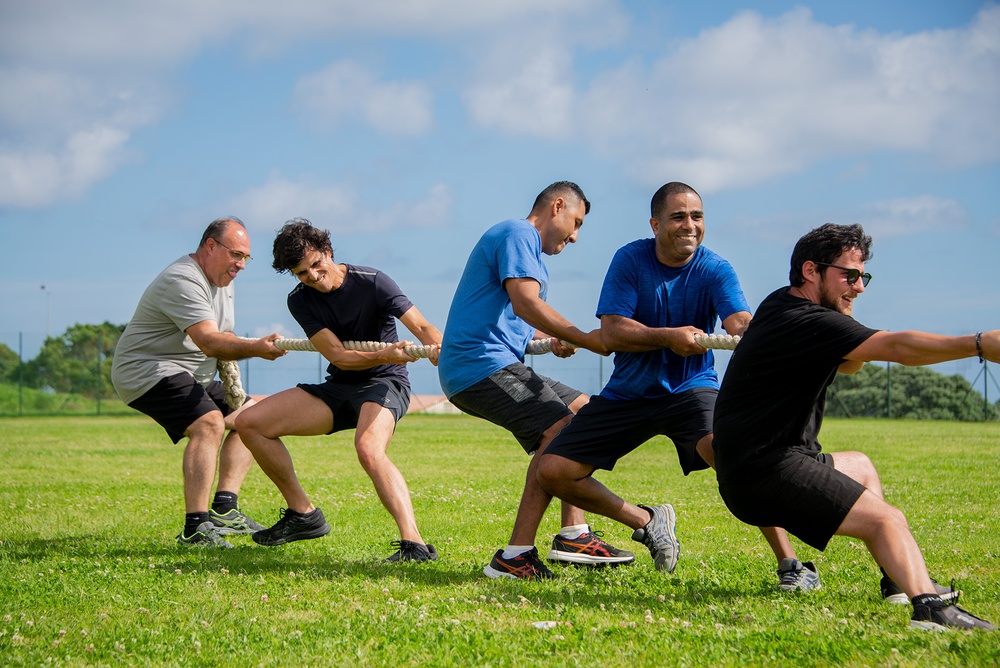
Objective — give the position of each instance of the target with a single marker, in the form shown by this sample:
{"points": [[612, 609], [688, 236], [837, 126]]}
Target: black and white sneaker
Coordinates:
{"points": [[408, 550], [893, 594], [794, 575], [931, 613], [291, 526]]}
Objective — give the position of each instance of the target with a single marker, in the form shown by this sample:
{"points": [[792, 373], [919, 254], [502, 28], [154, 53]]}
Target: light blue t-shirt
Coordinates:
{"points": [[482, 334], [640, 287]]}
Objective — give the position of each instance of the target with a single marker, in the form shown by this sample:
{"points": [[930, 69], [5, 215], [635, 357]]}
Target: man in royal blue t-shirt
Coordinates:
{"points": [[499, 306], [657, 296]]}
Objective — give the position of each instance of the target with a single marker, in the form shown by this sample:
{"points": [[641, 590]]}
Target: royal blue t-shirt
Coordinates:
{"points": [[640, 287], [482, 334]]}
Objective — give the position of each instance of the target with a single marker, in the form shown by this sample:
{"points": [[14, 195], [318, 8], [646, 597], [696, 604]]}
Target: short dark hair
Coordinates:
{"points": [[560, 189], [666, 190], [218, 227], [294, 240], [824, 245]]}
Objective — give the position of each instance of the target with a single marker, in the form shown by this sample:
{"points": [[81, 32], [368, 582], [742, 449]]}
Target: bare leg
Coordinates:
{"points": [[292, 412], [371, 440], [200, 456]]}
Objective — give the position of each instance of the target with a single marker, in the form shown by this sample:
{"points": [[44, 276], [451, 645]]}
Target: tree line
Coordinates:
{"points": [[79, 362]]}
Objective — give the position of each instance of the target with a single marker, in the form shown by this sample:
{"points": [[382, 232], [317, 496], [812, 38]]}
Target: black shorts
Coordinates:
{"points": [[177, 401], [806, 496], [519, 400], [605, 430], [345, 400]]}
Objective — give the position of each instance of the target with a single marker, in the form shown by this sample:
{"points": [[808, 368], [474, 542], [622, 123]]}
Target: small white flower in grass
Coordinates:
{"points": [[197, 645], [685, 623], [263, 597], [62, 632], [297, 634], [204, 624], [224, 571], [152, 566], [177, 571], [291, 574], [83, 633]]}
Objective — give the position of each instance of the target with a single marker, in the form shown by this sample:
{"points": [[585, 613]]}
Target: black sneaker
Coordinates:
{"points": [[233, 521], [938, 615], [291, 526], [893, 594], [526, 566], [589, 549], [204, 536], [408, 550]]}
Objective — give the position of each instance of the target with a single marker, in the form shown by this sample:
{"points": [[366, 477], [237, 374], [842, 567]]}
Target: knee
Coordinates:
{"points": [[246, 422], [370, 456], [209, 428], [549, 474]]}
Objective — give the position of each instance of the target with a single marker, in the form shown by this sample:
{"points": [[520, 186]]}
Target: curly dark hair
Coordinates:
{"points": [[294, 240], [824, 245]]}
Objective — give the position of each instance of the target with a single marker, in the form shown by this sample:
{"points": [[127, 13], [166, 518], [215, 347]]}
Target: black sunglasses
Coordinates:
{"points": [[852, 274]]}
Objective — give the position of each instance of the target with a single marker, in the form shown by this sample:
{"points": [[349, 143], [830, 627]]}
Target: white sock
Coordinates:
{"points": [[512, 551], [574, 531]]}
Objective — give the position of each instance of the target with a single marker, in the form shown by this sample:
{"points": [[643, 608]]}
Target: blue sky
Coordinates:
{"points": [[408, 128]]}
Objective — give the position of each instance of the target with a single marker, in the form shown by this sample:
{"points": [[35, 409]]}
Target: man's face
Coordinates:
{"points": [[834, 291], [227, 256], [564, 227], [679, 229], [315, 270]]}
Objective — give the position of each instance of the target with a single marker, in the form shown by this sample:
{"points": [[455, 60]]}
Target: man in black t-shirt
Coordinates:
{"points": [[365, 391], [769, 463]]}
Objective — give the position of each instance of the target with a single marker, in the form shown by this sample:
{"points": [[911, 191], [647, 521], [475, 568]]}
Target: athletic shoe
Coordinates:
{"points": [[234, 521], [291, 526], [658, 535], [893, 594], [794, 575], [588, 549], [526, 566], [409, 550], [204, 536], [942, 616]]}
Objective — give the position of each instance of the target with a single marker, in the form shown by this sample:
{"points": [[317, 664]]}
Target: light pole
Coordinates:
{"points": [[48, 312]]}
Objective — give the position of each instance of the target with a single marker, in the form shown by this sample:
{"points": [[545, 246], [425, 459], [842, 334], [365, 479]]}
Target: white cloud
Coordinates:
{"points": [[345, 90], [905, 217], [338, 208]]}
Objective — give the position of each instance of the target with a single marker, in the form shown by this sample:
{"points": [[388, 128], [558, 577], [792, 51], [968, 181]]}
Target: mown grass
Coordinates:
{"points": [[90, 573]]}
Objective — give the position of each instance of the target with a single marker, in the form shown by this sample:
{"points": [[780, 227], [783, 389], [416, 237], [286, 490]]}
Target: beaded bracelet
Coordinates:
{"points": [[979, 346]]}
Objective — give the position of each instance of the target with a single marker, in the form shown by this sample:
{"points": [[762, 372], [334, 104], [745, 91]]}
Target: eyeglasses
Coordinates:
{"points": [[236, 255], [852, 274]]}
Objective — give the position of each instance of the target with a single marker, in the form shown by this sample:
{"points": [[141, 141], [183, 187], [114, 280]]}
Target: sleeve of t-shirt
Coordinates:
{"points": [[729, 297], [300, 308], [186, 302], [518, 255], [619, 293], [390, 296], [841, 334]]}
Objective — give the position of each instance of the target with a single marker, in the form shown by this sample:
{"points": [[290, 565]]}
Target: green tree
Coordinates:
{"points": [[911, 392], [78, 362], [9, 361]]}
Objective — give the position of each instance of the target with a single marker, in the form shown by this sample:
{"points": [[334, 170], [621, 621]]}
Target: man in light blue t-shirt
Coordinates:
{"points": [[658, 295], [498, 308]]}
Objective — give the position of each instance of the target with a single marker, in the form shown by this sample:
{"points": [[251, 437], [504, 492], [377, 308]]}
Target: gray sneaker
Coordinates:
{"points": [[793, 575], [204, 536], [944, 616], [658, 535], [292, 526], [233, 521]]}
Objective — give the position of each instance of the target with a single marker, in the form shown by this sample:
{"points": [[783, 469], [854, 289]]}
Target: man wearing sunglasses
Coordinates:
{"points": [[165, 364], [770, 466]]}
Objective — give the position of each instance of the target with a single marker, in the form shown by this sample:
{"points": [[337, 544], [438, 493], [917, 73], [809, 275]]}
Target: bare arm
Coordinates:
{"points": [[530, 307], [228, 346], [626, 335], [913, 348], [737, 323], [426, 333]]}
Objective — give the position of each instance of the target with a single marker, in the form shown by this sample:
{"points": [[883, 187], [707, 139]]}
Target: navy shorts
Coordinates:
{"points": [[177, 401], [519, 400], [805, 495], [345, 400], [605, 430]]}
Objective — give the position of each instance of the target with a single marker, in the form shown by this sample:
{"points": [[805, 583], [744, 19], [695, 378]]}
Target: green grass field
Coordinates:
{"points": [[90, 573]]}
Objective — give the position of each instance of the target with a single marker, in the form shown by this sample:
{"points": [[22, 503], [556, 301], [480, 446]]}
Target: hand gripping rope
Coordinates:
{"points": [[229, 370]]}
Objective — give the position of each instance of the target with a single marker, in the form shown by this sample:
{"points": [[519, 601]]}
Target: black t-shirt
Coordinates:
{"points": [[773, 395], [363, 308]]}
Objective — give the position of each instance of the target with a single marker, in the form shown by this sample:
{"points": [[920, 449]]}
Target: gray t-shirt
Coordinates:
{"points": [[155, 345]]}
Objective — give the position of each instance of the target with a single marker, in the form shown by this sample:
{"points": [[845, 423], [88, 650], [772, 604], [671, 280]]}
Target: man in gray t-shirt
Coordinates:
{"points": [[165, 364]]}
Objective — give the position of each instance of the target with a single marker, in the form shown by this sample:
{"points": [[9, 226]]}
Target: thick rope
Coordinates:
{"points": [[229, 370]]}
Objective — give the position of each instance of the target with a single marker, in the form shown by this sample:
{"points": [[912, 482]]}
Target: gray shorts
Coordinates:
{"points": [[519, 400], [345, 400]]}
